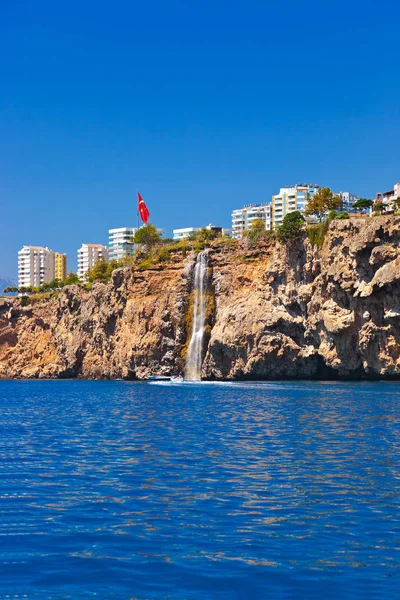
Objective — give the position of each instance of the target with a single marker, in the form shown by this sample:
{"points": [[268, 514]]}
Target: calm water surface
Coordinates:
{"points": [[133, 490]]}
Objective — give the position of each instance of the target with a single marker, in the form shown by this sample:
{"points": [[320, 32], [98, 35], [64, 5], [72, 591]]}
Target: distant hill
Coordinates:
{"points": [[6, 282]]}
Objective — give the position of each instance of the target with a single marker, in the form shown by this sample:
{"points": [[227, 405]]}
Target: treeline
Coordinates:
{"points": [[50, 286]]}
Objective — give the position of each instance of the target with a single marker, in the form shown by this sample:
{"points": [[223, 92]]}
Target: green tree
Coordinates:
{"points": [[55, 284], [322, 202], [379, 207], [111, 266], [257, 231], [363, 204], [291, 227], [98, 272], [11, 289], [148, 236], [396, 204], [342, 215], [102, 270], [70, 279], [44, 287]]}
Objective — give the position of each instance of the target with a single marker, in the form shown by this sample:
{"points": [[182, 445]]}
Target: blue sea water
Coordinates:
{"points": [[248, 490]]}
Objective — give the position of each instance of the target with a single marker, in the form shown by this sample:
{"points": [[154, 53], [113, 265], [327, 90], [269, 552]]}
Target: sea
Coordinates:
{"points": [[136, 490]]}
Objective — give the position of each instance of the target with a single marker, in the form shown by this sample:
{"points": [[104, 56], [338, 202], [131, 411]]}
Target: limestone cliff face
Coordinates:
{"points": [[273, 312]]}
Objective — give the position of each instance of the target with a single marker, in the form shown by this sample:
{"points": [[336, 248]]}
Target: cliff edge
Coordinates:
{"points": [[273, 311]]}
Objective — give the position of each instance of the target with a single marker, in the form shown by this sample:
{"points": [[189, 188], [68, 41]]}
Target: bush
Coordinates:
{"points": [[71, 279], [25, 300], [160, 255], [316, 233], [342, 215], [203, 236], [291, 227], [257, 232], [145, 263], [102, 270], [230, 243]]}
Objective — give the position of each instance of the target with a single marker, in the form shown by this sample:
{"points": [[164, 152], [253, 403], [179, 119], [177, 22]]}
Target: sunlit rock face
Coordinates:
{"points": [[271, 312]]}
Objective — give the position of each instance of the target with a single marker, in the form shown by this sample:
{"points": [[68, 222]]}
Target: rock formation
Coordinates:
{"points": [[273, 311]]}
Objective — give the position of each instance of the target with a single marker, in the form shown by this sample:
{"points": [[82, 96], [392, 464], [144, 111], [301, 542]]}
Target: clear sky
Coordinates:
{"points": [[203, 106]]}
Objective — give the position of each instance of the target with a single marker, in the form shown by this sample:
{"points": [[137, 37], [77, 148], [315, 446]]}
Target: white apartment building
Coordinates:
{"points": [[88, 255], [346, 201], [183, 233], [120, 242], [388, 197], [36, 265], [242, 218], [289, 199]]}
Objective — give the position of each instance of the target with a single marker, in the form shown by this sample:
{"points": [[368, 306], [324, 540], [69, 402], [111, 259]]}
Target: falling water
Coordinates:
{"points": [[193, 363]]}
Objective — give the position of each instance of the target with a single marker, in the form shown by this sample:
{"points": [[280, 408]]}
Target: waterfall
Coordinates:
{"points": [[194, 356]]}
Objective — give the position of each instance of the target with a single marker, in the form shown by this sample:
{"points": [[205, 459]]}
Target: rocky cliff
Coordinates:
{"points": [[273, 311]]}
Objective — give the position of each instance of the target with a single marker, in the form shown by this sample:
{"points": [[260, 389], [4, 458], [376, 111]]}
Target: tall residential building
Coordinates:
{"points": [[388, 197], [120, 242], [242, 218], [36, 265], [60, 266], [289, 199], [346, 201], [183, 233], [88, 255]]}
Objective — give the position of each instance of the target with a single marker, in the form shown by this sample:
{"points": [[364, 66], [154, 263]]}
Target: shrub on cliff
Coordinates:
{"points": [[203, 235], [25, 300], [102, 270], [342, 215], [316, 233], [71, 279], [257, 232], [291, 228]]}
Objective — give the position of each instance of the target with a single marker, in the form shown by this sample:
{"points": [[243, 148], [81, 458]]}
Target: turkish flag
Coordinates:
{"points": [[143, 210]]}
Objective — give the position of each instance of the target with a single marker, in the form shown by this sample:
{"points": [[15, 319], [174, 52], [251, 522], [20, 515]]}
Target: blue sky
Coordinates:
{"points": [[202, 106]]}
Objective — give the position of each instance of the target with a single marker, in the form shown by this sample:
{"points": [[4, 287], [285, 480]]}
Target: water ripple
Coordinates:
{"points": [[122, 490]]}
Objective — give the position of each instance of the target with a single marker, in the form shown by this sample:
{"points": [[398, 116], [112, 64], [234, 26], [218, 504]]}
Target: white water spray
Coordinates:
{"points": [[193, 362]]}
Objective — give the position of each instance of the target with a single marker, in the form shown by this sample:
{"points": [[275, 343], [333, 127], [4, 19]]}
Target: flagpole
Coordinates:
{"points": [[137, 209]]}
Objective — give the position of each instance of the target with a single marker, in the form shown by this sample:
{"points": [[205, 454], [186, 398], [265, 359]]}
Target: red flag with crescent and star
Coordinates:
{"points": [[143, 210]]}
